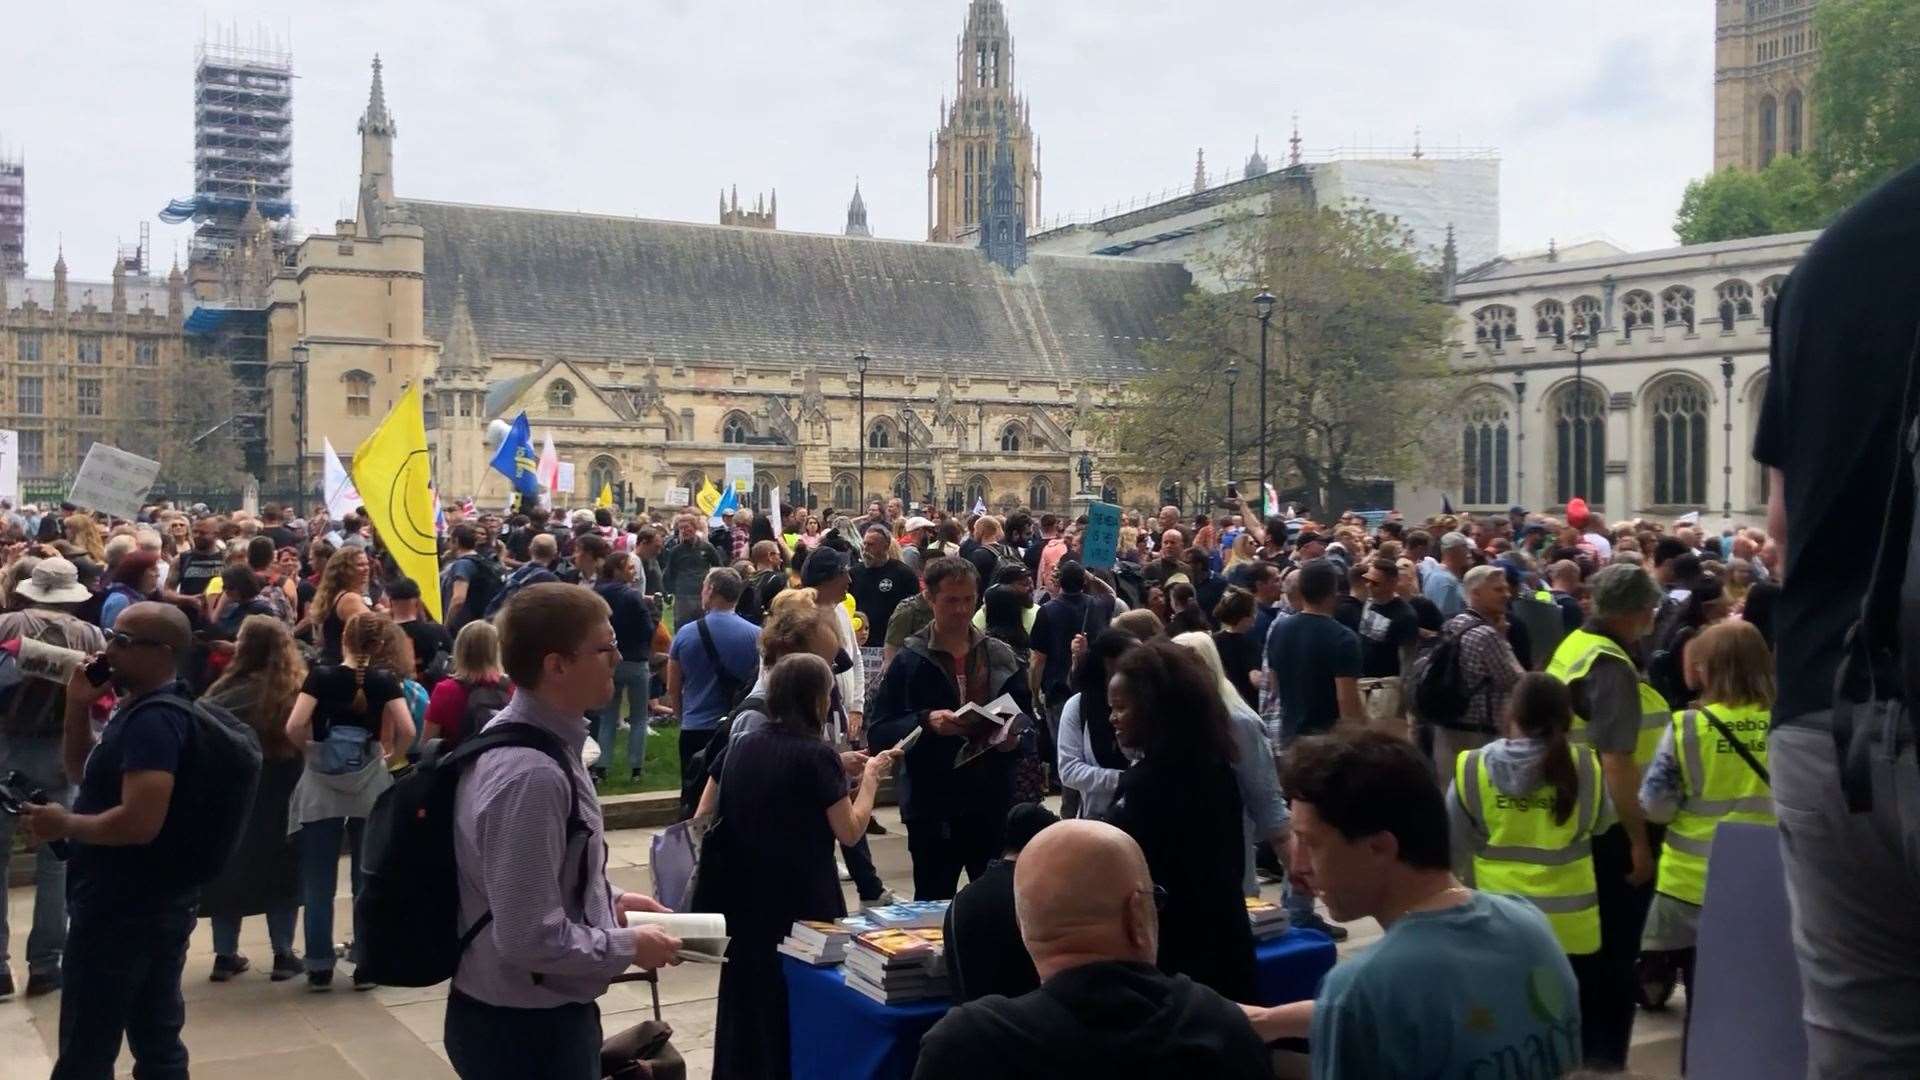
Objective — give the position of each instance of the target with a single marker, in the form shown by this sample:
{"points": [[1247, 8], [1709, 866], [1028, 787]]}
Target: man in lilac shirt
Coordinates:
{"points": [[522, 1002]]}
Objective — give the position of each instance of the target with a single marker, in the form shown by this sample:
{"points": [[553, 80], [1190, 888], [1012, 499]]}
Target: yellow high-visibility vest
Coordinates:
{"points": [[1575, 658], [1529, 856], [1719, 786]]}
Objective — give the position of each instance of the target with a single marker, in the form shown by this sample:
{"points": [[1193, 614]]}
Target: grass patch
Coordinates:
{"points": [[659, 772]]}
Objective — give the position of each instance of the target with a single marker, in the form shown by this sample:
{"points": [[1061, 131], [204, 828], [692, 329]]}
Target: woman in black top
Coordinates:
{"points": [[1239, 652], [769, 862], [340, 596], [1181, 804]]}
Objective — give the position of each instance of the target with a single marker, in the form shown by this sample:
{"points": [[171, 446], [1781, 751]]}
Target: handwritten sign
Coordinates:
{"points": [[565, 483], [740, 475], [1100, 545], [113, 481], [679, 496], [10, 465]]}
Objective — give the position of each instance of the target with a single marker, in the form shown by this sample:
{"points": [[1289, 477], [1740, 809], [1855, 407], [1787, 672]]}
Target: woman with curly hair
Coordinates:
{"points": [[340, 596], [259, 687]]}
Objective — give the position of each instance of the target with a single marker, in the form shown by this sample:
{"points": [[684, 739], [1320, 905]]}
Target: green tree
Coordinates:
{"points": [[1786, 196], [1866, 105], [172, 417], [1355, 363]]}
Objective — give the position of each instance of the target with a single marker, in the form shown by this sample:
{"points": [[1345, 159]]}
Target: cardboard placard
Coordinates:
{"points": [[113, 481], [1100, 544]]}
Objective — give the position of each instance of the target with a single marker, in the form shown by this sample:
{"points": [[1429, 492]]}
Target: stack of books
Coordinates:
{"points": [[909, 914], [1269, 919], [894, 966], [824, 943]]}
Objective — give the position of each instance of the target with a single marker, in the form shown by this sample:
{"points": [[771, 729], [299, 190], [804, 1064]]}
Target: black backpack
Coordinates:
{"points": [[523, 575], [1440, 692], [484, 700], [213, 791], [407, 917], [482, 587]]}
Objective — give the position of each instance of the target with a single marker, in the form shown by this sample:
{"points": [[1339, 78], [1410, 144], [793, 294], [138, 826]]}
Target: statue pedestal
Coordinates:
{"points": [[1081, 501]]}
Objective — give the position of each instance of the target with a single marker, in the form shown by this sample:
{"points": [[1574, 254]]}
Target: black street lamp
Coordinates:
{"points": [[1582, 340], [860, 363], [1726, 378], [1233, 376], [301, 355], [1263, 304], [1520, 437], [906, 427]]}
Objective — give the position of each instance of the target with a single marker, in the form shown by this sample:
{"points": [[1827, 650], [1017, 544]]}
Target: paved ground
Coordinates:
{"points": [[250, 1028]]}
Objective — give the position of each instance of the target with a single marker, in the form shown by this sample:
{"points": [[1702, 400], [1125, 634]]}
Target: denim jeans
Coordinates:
{"points": [[320, 878], [121, 976], [630, 681], [39, 761], [226, 932]]}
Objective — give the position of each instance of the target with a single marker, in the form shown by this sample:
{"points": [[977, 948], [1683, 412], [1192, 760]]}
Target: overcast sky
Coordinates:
{"points": [[1601, 109]]}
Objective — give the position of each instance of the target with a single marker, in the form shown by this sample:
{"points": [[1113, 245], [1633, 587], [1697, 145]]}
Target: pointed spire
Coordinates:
{"points": [[119, 286], [1417, 152], [1257, 164], [60, 281], [1449, 266], [736, 198], [462, 350], [1293, 144], [176, 289], [857, 213], [1200, 171], [1553, 249], [376, 120]]}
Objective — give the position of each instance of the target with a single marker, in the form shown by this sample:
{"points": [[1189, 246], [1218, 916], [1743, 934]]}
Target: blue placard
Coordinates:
{"points": [[1101, 544]]}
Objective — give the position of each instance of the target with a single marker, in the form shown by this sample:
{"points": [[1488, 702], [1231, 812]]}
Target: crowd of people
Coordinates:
{"points": [[1509, 740]]}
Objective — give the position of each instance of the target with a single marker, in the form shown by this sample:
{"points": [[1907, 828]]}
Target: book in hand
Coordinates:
{"points": [[908, 915], [703, 935], [992, 727]]}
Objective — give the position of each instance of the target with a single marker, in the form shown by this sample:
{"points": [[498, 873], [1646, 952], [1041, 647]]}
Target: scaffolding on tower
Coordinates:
{"points": [[242, 142]]}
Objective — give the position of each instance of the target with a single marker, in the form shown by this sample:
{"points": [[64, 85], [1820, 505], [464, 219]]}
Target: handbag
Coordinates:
{"points": [[642, 1052], [674, 857]]}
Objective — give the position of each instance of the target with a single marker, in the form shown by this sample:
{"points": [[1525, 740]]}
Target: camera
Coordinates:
{"points": [[17, 793]]}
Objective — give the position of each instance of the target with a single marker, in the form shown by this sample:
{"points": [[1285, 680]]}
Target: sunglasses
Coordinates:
{"points": [[128, 641]]}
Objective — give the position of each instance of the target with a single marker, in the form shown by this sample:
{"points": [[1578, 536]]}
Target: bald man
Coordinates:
{"points": [[1089, 916], [129, 915]]}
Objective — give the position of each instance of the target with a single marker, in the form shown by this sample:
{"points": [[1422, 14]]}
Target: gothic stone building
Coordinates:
{"points": [[652, 351], [1661, 421], [1765, 56]]}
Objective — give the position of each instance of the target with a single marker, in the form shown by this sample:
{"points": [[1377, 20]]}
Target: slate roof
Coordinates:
{"points": [[546, 283]]}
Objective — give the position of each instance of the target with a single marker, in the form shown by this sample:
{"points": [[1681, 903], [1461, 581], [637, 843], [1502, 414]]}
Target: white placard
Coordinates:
{"points": [[10, 465], [740, 475], [113, 481], [679, 496], [565, 483]]}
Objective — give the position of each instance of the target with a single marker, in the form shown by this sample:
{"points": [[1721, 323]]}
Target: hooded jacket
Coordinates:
{"points": [[915, 684], [1108, 1020]]}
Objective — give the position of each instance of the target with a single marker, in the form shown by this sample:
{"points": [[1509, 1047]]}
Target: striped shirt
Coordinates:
{"points": [[515, 859]]}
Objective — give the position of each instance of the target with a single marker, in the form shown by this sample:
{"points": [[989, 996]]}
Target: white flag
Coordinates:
{"points": [[337, 487], [779, 527]]}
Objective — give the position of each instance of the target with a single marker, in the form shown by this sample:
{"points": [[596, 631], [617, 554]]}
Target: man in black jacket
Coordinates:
{"points": [[954, 816], [1050, 674], [1088, 914]]}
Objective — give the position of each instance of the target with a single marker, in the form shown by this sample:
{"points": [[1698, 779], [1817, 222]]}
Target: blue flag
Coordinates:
{"points": [[728, 501], [516, 460]]}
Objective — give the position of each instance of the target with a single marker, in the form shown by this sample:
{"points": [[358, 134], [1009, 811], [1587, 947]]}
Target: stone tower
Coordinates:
{"points": [[961, 155], [1765, 56], [461, 378], [1004, 239], [377, 130], [762, 214], [857, 214]]}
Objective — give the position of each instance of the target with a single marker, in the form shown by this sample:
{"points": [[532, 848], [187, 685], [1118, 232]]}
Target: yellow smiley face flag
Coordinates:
{"points": [[394, 472]]}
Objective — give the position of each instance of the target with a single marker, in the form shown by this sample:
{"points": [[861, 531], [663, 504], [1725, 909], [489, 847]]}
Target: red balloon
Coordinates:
{"points": [[1576, 511]]}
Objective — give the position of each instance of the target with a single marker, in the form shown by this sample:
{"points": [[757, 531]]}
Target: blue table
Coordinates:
{"points": [[841, 1034]]}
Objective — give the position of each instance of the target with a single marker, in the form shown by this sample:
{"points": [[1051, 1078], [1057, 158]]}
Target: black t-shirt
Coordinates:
{"points": [[332, 686], [1384, 630], [1843, 332], [196, 570], [428, 638], [877, 590], [519, 544], [144, 736], [1307, 652], [1240, 657], [1346, 611], [281, 536], [1054, 627], [1427, 613]]}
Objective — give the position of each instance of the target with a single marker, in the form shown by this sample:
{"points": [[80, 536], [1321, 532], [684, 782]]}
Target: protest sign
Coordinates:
{"points": [[10, 465], [679, 496], [740, 474], [113, 481], [1100, 545], [565, 483]]}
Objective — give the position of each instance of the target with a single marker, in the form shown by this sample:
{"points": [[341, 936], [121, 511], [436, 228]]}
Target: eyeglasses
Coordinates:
{"points": [[128, 641], [610, 647]]}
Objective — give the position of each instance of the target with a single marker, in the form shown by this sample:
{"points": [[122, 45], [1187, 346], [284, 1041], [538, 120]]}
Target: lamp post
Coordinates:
{"points": [[906, 429], [1233, 376], [1582, 340], [301, 355], [1520, 437], [1263, 304], [860, 363], [1726, 379]]}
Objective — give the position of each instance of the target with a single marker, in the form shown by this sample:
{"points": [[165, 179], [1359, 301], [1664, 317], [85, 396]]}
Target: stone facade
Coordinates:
{"points": [[86, 361], [961, 155], [1675, 380], [1765, 55]]}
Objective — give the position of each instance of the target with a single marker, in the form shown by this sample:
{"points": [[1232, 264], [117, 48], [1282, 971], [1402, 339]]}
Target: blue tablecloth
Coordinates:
{"points": [[841, 1034]]}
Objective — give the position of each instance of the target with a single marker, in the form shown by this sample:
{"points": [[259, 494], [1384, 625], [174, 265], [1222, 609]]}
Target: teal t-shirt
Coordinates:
{"points": [[1477, 990]]}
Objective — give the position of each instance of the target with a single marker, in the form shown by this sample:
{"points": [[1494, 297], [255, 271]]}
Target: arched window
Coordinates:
{"points": [[1173, 493], [1796, 108], [1550, 320], [1770, 298], [1676, 307], [1769, 130], [1678, 408], [359, 387], [976, 491], [765, 490], [560, 397], [1496, 324], [1010, 439], [880, 435], [903, 487], [1039, 493], [843, 497], [1110, 491], [1586, 315], [1735, 302], [736, 428], [693, 481], [1637, 310], [1484, 451], [604, 472], [1579, 442]]}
